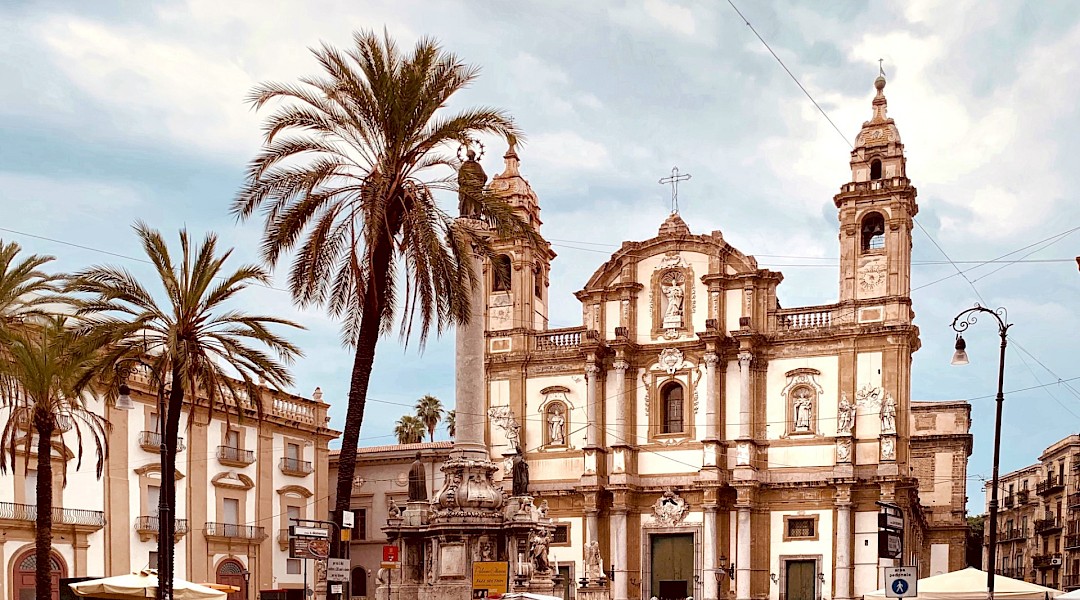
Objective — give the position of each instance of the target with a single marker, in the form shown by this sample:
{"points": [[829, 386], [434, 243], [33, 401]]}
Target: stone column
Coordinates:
{"points": [[742, 563], [592, 371], [469, 386], [711, 587], [744, 394], [618, 553], [712, 419], [843, 544], [622, 420]]}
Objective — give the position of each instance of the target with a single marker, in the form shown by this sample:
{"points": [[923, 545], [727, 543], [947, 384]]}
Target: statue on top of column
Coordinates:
{"points": [[520, 471], [471, 181], [417, 481]]}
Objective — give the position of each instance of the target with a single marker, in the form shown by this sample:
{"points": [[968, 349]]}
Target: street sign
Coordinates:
{"points": [[390, 554], [389, 565], [901, 582], [337, 569], [891, 521], [309, 532], [890, 544], [492, 576], [348, 519], [336, 588], [309, 548]]}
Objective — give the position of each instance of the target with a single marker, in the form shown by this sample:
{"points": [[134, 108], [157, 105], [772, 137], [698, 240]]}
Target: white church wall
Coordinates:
{"points": [[776, 412], [499, 395], [821, 546], [733, 309], [731, 401], [802, 456], [866, 553], [611, 319], [667, 462], [639, 393], [568, 468], [868, 374]]}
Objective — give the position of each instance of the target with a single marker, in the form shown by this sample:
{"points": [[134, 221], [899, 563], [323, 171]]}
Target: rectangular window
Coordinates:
{"points": [[292, 566], [360, 524], [30, 488], [230, 511], [292, 451], [151, 561], [1023, 525], [800, 528], [561, 535], [232, 438], [155, 422], [153, 499]]}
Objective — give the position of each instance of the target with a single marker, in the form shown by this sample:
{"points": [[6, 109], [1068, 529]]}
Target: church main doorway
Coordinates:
{"points": [[672, 557], [800, 581]]}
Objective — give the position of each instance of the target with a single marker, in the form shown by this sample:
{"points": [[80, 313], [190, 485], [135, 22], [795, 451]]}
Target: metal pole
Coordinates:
{"points": [[999, 401]]}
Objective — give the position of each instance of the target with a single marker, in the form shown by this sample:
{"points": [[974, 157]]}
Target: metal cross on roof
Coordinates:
{"points": [[674, 180]]}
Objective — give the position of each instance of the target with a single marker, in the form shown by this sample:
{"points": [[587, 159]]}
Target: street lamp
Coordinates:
{"points": [[960, 357]]}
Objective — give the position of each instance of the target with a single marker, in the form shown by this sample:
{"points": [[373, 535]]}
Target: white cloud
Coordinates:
{"points": [[567, 150]]}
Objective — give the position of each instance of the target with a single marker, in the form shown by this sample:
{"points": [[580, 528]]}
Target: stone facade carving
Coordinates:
{"points": [[594, 564], [802, 393], [671, 360], [845, 415], [871, 276], [843, 450], [504, 419], [888, 414], [669, 510], [742, 454], [888, 448]]}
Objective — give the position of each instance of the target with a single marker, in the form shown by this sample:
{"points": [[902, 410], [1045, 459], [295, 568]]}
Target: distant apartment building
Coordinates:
{"points": [[239, 481], [1038, 521]]}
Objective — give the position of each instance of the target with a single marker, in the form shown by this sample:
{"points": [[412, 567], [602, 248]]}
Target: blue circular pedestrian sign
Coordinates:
{"points": [[899, 586]]}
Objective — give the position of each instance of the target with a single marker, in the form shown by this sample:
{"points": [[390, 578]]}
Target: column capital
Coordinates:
{"points": [[620, 366], [745, 356], [710, 358], [591, 369]]}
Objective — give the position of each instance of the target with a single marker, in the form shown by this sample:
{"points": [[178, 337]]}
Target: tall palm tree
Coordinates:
{"points": [[451, 423], [430, 411], [44, 391], [198, 348], [345, 181], [409, 430], [24, 287]]}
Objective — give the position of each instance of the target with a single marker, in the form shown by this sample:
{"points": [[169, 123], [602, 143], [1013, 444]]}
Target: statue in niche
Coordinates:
{"points": [[802, 406], [538, 551], [520, 472], [417, 481], [672, 288], [556, 425], [888, 414], [471, 181], [845, 415], [843, 451], [888, 449]]}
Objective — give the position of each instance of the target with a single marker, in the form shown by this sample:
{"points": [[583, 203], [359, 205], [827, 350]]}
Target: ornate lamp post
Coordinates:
{"points": [[960, 357]]}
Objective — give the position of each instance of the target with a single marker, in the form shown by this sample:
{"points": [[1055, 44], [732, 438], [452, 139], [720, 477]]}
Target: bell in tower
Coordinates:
{"points": [[875, 211]]}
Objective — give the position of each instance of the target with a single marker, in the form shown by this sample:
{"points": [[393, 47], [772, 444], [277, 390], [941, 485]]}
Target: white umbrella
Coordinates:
{"points": [[139, 585], [971, 583], [528, 596]]}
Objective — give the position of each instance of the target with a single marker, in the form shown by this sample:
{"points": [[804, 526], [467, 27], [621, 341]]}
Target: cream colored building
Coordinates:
{"points": [[717, 444], [237, 485], [1038, 520]]}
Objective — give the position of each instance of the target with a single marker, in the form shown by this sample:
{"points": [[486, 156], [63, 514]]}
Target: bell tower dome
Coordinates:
{"points": [[876, 211]]}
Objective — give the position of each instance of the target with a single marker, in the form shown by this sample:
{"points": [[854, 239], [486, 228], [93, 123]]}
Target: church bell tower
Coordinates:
{"points": [[876, 212]]}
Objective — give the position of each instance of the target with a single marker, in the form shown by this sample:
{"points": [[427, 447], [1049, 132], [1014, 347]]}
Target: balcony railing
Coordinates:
{"points": [[1047, 525], [1050, 485], [62, 516], [1072, 541], [802, 318], [1008, 501], [295, 466], [1013, 573], [1008, 535], [235, 456], [1074, 501], [150, 524], [1047, 561], [1022, 497], [151, 441], [559, 339], [1071, 581], [245, 532]]}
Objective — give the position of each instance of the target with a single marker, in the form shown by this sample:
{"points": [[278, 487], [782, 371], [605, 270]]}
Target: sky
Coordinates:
{"points": [[117, 111]]}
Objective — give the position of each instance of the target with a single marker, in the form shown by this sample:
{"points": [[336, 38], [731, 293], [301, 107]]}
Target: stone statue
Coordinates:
{"points": [[843, 451], [417, 481], [888, 448], [673, 314], [802, 406], [888, 414], [538, 550], [393, 510], [471, 181], [845, 416], [543, 509], [594, 565], [520, 472], [557, 426]]}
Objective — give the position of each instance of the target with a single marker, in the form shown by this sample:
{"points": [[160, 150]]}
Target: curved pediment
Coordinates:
{"points": [[230, 479], [155, 468]]}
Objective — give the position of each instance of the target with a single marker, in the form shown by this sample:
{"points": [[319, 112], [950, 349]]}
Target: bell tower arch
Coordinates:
{"points": [[876, 212]]}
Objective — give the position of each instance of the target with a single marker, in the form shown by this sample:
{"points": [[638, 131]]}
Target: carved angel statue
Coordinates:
{"points": [[843, 451], [888, 414], [594, 565], [674, 295], [393, 509], [845, 415], [888, 449], [538, 551]]}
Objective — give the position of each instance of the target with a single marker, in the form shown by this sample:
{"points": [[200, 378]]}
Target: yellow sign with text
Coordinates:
{"points": [[494, 576]]}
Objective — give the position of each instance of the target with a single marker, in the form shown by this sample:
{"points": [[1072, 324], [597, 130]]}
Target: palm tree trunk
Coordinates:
{"points": [[167, 504], [370, 322], [43, 534]]}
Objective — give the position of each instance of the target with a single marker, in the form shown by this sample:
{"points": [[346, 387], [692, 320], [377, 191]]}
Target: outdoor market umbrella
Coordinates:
{"points": [[135, 585], [971, 583]]}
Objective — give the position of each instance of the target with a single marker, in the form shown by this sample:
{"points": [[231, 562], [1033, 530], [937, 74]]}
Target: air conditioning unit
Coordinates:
{"points": [[1055, 562]]}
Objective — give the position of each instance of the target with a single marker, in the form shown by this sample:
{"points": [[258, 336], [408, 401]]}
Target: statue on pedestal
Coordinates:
{"points": [[417, 481], [471, 181], [538, 551], [520, 470]]}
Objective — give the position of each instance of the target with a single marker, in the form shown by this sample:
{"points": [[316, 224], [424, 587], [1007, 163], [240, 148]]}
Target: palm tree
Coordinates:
{"points": [[430, 411], [345, 178], [23, 285], [409, 430], [197, 347], [451, 423], [44, 389]]}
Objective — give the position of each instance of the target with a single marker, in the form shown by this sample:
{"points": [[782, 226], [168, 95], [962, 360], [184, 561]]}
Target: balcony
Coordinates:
{"points": [[1022, 497], [234, 457], [27, 513], [228, 530], [1072, 541], [1074, 501], [151, 442], [1047, 525], [295, 467], [1047, 561], [1050, 485], [1071, 581], [1008, 535], [567, 338], [1008, 501], [148, 526]]}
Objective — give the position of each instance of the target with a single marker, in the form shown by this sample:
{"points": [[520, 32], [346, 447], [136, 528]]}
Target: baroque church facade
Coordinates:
{"points": [[712, 443]]}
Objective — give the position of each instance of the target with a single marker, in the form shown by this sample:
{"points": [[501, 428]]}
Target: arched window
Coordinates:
{"points": [[875, 169], [555, 421], [671, 397], [26, 570], [500, 273], [359, 582], [873, 232]]}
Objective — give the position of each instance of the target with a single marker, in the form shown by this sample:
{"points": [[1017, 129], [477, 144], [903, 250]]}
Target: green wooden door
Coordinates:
{"points": [[800, 580], [672, 559]]}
